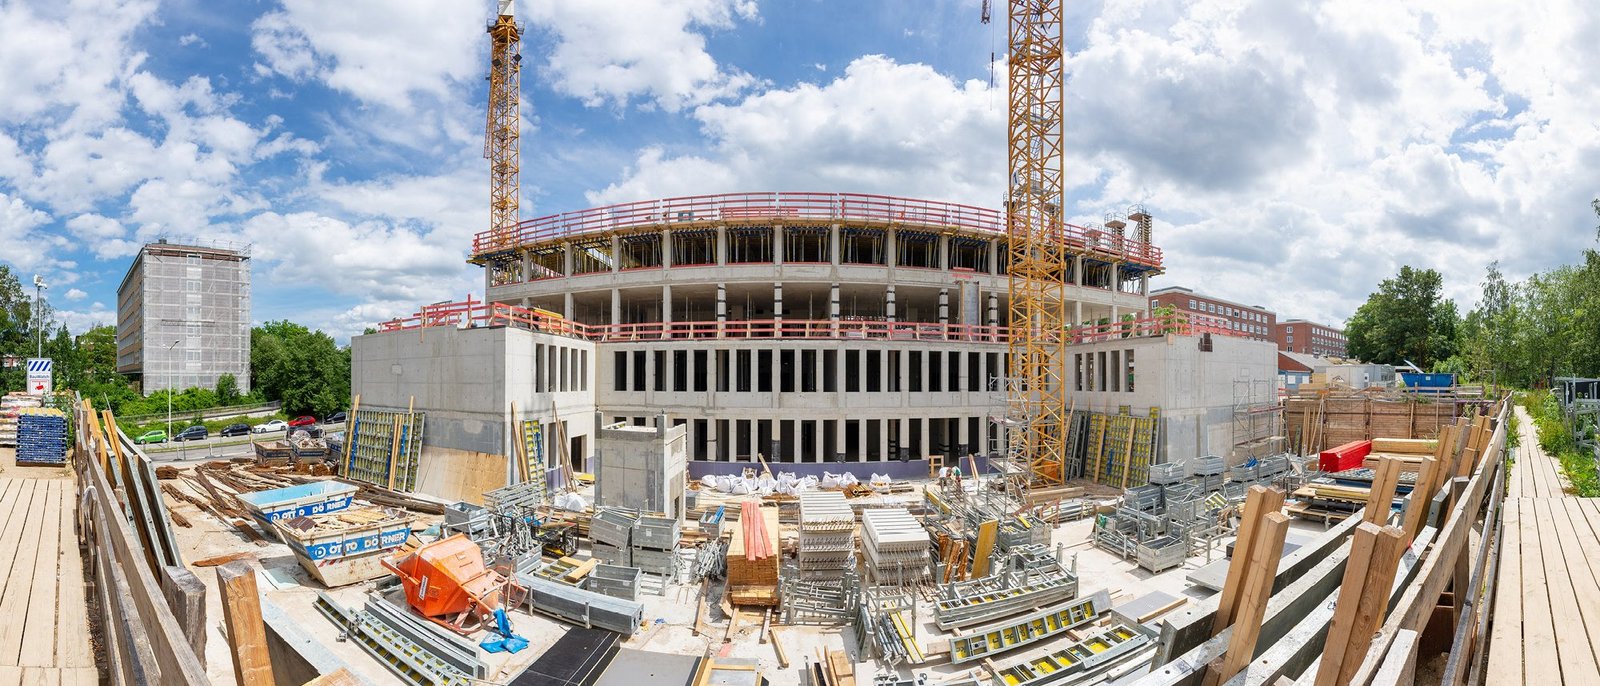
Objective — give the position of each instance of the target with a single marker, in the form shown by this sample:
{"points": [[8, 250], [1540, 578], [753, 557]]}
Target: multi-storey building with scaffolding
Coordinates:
{"points": [[183, 316], [805, 328]]}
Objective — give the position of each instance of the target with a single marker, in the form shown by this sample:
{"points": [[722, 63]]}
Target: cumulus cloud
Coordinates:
{"points": [[616, 52], [76, 294], [375, 260], [879, 127], [383, 53]]}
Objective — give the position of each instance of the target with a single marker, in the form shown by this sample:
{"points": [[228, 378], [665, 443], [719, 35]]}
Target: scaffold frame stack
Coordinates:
{"points": [[827, 542], [896, 547]]}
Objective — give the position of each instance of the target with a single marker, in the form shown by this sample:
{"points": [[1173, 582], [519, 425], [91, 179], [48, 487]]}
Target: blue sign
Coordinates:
{"points": [[307, 509], [358, 544]]}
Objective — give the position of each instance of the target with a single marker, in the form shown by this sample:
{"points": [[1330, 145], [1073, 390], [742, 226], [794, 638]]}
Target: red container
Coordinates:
{"points": [[1347, 456]]}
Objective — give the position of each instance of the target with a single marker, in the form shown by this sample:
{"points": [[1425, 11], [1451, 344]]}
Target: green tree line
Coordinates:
{"points": [[1520, 333], [302, 368]]}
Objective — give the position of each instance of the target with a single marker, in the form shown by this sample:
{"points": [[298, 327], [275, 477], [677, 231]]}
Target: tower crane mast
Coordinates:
{"points": [[501, 143], [1036, 396]]}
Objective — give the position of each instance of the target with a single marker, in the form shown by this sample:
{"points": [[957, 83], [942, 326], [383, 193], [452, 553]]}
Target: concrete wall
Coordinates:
{"points": [[467, 379], [642, 467], [1194, 389]]}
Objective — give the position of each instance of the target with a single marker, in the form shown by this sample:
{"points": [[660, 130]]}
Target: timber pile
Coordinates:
{"points": [[211, 486], [753, 559]]}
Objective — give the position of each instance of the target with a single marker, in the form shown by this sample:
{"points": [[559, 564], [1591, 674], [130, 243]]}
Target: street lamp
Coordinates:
{"points": [[38, 309], [171, 373]]}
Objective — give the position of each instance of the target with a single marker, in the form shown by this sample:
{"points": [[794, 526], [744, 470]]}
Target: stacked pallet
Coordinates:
{"points": [[827, 536], [753, 559], [41, 436], [896, 546]]}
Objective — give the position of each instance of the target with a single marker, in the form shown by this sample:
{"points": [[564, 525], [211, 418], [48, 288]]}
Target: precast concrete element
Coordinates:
{"points": [[642, 468]]}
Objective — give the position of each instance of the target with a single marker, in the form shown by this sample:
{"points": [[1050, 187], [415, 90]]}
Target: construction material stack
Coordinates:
{"points": [[655, 545], [41, 436], [827, 536], [10, 406], [753, 560], [896, 547], [611, 535]]}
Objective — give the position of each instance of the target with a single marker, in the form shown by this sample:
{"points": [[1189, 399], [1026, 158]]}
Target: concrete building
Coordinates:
{"points": [[642, 467], [183, 317], [1295, 369], [1311, 338], [1357, 375], [1249, 321]]}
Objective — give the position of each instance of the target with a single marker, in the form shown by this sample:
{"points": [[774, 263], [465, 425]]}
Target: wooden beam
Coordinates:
{"points": [[1374, 600], [1416, 513], [1259, 502], [777, 647], [187, 596], [1380, 499], [987, 532], [350, 436], [1362, 544], [1265, 553], [394, 451], [247, 635]]}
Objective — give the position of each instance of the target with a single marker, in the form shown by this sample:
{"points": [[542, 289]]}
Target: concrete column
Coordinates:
{"points": [[722, 307], [944, 306], [755, 438], [777, 301], [777, 245], [838, 381], [994, 257], [883, 370], [943, 252], [817, 444], [1077, 270], [1144, 285], [883, 438], [566, 259], [567, 310], [839, 442], [993, 317], [862, 427], [722, 245], [1116, 314], [1116, 279], [833, 302], [905, 437], [666, 304], [666, 255], [890, 257], [888, 299], [833, 249], [616, 307], [527, 266], [1077, 313], [962, 438], [650, 373], [819, 371], [616, 254]]}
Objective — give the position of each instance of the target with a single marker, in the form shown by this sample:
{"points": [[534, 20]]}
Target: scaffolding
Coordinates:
{"points": [[1257, 420]]}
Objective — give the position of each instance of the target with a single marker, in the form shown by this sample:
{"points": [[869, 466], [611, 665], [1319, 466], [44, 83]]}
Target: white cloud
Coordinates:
{"points": [[65, 59], [613, 52], [374, 261], [79, 321], [76, 294], [103, 236], [189, 39], [879, 127], [383, 52]]}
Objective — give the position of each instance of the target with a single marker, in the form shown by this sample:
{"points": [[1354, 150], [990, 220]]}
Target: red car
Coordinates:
{"points": [[303, 420]]}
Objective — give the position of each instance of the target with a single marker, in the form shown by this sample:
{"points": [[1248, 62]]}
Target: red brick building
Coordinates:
{"points": [[1302, 336], [1251, 321]]}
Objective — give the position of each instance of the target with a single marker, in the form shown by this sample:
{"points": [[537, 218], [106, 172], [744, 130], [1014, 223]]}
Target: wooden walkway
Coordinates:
{"points": [[44, 633], [1546, 618]]}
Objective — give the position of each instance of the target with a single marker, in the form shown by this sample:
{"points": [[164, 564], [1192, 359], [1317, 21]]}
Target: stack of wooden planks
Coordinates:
{"points": [[753, 559]]}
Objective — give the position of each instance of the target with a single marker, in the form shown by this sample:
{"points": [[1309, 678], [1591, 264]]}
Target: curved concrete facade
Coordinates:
{"points": [[805, 334]]}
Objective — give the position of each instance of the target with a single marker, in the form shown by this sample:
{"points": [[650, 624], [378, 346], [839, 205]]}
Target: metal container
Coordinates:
{"points": [[304, 500], [612, 526], [659, 533], [615, 581]]}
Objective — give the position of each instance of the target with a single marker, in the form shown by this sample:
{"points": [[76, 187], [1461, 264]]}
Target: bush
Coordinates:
{"points": [[1556, 437]]}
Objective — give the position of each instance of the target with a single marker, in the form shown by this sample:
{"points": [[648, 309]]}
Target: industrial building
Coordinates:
{"points": [[1311, 338], [183, 316], [1250, 321]]}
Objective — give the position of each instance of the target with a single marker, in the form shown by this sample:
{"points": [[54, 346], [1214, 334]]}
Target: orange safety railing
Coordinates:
{"points": [[843, 207], [475, 313]]}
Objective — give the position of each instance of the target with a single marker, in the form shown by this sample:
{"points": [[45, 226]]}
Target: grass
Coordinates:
{"points": [[1556, 438]]}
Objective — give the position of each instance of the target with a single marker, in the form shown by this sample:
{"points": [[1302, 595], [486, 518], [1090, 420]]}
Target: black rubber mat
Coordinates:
{"points": [[576, 659]]}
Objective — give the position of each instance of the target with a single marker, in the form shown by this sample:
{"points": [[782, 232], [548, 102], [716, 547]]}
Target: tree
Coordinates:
{"points": [[227, 390], [1406, 319], [303, 369]]}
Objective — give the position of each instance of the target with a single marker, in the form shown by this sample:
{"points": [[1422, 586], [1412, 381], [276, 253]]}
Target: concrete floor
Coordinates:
{"points": [[669, 617]]}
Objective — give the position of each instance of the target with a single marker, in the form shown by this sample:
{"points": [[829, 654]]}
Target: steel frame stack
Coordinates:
{"points": [[811, 602], [886, 623], [1104, 647], [611, 535], [987, 641], [654, 547], [1009, 592], [896, 547], [827, 542]]}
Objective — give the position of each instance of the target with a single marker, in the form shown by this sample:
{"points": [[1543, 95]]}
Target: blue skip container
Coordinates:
{"points": [[304, 500]]}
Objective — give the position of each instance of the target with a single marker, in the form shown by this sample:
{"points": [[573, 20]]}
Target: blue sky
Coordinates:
{"points": [[1293, 153]]}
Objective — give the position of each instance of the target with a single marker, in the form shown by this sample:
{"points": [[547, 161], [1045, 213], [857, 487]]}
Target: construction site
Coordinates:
{"points": [[819, 439]]}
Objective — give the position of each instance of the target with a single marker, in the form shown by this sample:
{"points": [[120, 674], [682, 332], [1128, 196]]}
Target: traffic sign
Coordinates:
{"points": [[41, 375]]}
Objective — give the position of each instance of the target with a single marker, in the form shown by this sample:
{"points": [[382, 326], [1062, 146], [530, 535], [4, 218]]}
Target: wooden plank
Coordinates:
{"points": [[1538, 627], [186, 595], [987, 532], [1362, 544], [1585, 518], [19, 578], [1265, 553], [350, 436], [777, 648], [1374, 600], [39, 640], [1505, 640], [1380, 498], [72, 623], [1259, 501], [1416, 511], [1558, 537], [241, 614], [339, 677]]}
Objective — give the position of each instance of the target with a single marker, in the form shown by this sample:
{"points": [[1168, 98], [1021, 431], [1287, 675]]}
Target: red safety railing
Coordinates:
{"points": [[475, 313], [843, 207]]}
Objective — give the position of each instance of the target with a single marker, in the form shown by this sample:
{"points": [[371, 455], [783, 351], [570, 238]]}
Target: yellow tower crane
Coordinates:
{"points": [[502, 133], [1037, 411]]}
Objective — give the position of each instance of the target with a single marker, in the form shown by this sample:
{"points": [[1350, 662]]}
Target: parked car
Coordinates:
{"points": [[303, 420], [335, 418], [234, 430], [193, 433], [156, 436], [269, 427]]}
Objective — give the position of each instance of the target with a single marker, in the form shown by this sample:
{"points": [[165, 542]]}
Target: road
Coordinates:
{"points": [[217, 447]]}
